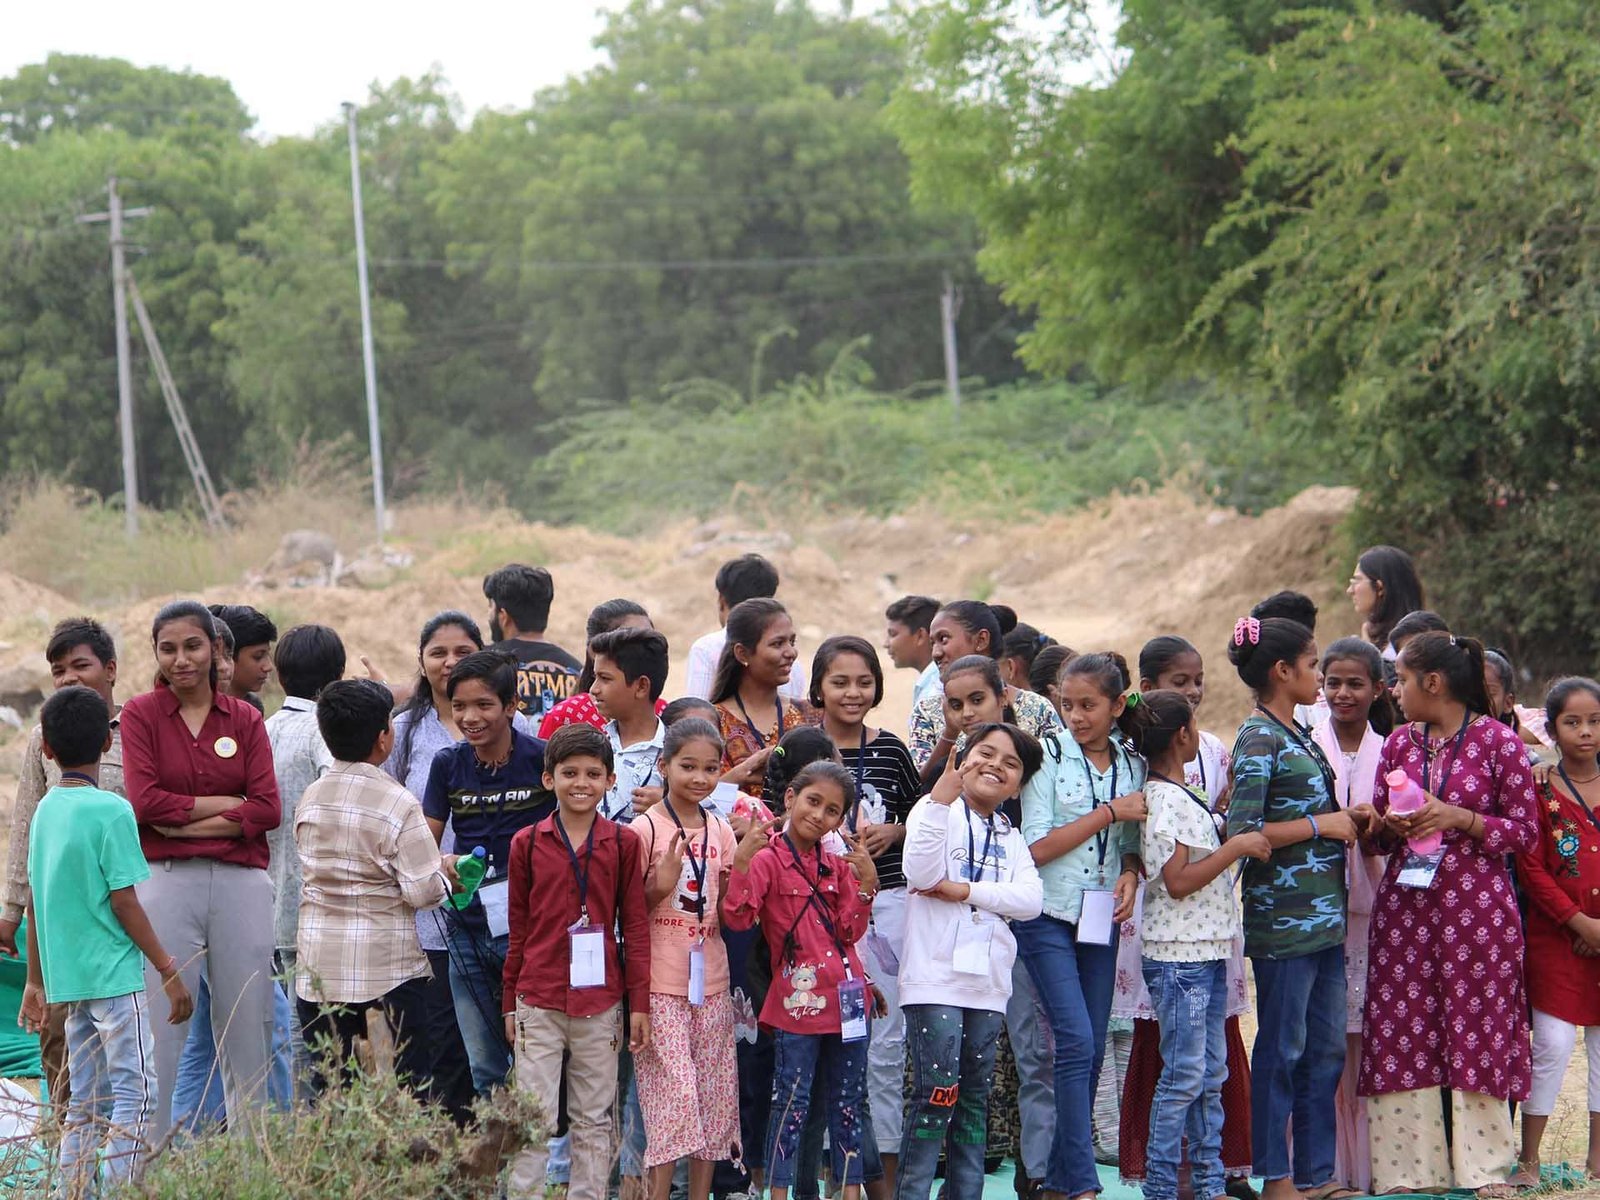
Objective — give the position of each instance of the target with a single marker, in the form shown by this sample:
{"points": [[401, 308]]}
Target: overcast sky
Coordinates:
{"points": [[294, 61]]}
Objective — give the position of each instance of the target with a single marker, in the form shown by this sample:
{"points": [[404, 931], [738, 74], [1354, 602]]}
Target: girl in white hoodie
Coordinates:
{"points": [[969, 872]]}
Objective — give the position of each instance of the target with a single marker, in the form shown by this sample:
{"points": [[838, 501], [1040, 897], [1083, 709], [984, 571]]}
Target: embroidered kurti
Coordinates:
{"points": [[1562, 879], [1445, 999]]}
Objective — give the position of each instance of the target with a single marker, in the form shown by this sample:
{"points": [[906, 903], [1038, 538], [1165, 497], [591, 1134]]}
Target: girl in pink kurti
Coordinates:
{"points": [[1359, 715], [688, 1075], [1446, 1007]]}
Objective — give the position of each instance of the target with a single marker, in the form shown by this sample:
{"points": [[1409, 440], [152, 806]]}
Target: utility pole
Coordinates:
{"points": [[949, 308], [119, 303], [374, 437]]}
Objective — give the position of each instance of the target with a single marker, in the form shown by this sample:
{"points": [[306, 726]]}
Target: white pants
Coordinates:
{"points": [[1553, 1042], [886, 1053]]}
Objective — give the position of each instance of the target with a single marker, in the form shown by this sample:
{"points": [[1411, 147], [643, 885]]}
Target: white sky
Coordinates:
{"points": [[295, 61]]}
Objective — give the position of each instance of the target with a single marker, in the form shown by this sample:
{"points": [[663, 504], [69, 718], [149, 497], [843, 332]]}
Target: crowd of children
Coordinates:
{"points": [[723, 938]]}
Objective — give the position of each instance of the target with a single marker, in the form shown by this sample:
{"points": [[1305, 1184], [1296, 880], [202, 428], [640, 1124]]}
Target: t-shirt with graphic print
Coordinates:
{"points": [[1294, 902], [674, 926], [546, 674], [1201, 926]]}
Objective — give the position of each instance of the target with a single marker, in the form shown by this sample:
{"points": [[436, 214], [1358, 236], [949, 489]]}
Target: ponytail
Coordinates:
{"points": [[1458, 661], [1156, 720], [1108, 670]]}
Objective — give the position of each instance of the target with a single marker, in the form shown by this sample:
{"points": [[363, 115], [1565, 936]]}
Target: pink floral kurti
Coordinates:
{"points": [[1445, 1000]]}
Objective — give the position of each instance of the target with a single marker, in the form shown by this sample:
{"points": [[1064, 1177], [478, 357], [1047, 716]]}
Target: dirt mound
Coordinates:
{"points": [[1107, 577]]}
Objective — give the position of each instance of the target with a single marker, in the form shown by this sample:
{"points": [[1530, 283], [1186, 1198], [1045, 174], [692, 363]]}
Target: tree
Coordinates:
{"points": [[722, 191], [78, 92]]}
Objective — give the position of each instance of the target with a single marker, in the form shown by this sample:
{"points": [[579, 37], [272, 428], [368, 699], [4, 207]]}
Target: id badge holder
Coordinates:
{"points": [[588, 943], [1095, 926], [853, 1011], [974, 939], [1418, 870], [888, 962], [697, 973]]}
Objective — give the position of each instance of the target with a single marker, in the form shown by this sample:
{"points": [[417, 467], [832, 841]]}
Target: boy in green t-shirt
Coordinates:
{"points": [[86, 932]]}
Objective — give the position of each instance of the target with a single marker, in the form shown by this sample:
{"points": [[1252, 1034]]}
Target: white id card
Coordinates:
{"points": [[1418, 870], [852, 1011], [588, 956], [496, 901], [1095, 926], [697, 974], [974, 938]]}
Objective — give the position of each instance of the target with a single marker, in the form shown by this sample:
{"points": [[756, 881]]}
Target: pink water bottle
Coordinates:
{"points": [[1406, 796]]}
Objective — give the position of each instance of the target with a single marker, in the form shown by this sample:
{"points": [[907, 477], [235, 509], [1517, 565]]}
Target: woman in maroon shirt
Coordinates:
{"points": [[200, 779]]}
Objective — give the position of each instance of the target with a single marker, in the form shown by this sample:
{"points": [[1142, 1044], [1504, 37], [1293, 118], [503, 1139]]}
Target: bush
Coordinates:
{"points": [[835, 444]]}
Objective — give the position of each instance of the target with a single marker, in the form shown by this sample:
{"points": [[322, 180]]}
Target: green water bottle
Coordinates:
{"points": [[470, 870]]}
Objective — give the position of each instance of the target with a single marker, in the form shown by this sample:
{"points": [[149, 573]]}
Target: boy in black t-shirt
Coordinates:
{"points": [[488, 786], [519, 610]]}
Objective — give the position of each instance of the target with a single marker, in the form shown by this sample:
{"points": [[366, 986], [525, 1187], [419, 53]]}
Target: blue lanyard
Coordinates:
{"points": [[581, 874], [704, 862], [1102, 840], [975, 865], [761, 740]]}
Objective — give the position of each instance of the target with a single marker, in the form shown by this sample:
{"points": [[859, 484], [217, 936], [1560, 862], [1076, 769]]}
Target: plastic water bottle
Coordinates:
{"points": [[1406, 796], [470, 870]]}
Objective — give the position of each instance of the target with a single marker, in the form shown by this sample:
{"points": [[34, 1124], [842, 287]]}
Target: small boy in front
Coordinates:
{"points": [[576, 883], [630, 673], [86, 934]]}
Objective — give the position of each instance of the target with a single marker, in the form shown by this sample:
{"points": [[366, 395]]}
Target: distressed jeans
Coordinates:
{"points": [[952, 1071], [797, 1059], [1191, 1004]]}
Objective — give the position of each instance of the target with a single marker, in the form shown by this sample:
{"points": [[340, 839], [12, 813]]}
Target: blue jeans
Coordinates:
{"points": [[1075, 983], [197, 1099], [1036, 1102], [797, 1058], [112, 1061], [1296, 1064], [952, 1070], [477, 962], [1191, 1004]]}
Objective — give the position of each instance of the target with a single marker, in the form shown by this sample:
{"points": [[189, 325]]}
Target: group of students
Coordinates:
{"points": [[749, 924]]}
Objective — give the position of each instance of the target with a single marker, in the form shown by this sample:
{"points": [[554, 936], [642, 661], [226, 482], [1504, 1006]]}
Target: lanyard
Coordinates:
{"points": [[816, 902], [854, 819], [975, 865], [1200, 759], [688, 849], [1184, 788], [761, 740], [1311, 748], [1102, 840], [90, 781], [581, 874], [1576, 795], [1449, 768]]}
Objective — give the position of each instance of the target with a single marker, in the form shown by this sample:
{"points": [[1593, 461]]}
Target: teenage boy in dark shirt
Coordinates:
{"points": [[253, 635], [488, 786], [519, 610]]}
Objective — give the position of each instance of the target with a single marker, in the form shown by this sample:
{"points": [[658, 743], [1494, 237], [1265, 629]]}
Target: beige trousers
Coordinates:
{"points": [[592, 1042], [1408, 1144]]}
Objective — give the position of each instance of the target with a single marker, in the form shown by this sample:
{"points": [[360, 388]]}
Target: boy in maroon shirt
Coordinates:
{"points": [[576, 880]]}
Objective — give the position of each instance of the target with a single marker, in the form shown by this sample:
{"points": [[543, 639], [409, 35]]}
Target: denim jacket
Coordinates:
{"points": [[1060, 793]]}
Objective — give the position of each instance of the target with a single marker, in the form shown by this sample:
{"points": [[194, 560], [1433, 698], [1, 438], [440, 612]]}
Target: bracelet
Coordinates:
{"points": [[172, 961], [1315, 832], [1111, 808], [866, 897]]}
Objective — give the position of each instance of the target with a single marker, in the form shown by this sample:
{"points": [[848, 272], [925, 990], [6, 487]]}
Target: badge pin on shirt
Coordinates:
{"points": [[225, 747]]}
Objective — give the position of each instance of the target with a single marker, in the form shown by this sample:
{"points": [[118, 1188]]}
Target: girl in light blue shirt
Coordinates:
{"points": [[1080, 816]]}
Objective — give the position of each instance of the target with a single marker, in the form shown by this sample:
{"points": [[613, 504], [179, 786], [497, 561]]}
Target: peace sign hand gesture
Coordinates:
{"points": [[670, 869], [755, 839], [860, 860]]}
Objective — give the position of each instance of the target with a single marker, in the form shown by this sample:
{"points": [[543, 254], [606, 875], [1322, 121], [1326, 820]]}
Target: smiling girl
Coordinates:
{"points": [[1563, 962], [1445, 1001], [972, 873], [1079, 816], [1360, 717], [812, 907], [751, 715], [960, 629], [198, 769], [846, 685]]}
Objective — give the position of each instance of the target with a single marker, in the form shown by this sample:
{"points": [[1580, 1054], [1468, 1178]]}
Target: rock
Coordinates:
{"points": [[10, 716], [371, 573], [23, 687], [304, 558]]}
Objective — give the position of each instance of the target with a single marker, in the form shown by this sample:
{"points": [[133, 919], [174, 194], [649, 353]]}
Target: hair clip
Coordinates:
{"points": [[1132, 699], [1246, 629], [777, 752]]}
